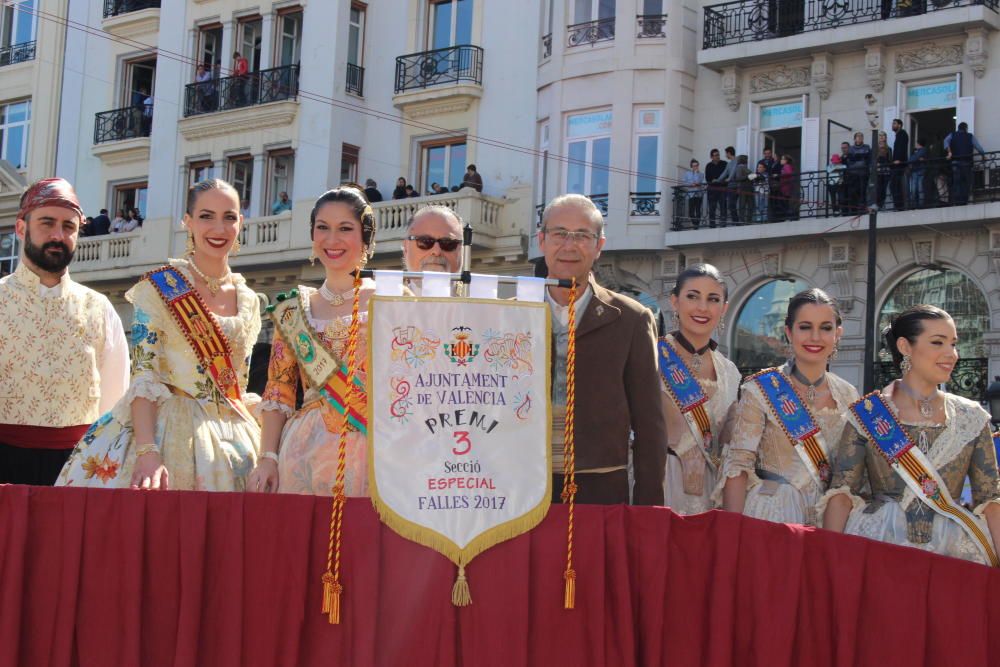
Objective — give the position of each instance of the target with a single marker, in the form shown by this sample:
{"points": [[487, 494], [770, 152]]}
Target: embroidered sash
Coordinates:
{"points": [[325, 373], [796, 421], [687, 395], [202, 332], [996, 443], [890, 440]]}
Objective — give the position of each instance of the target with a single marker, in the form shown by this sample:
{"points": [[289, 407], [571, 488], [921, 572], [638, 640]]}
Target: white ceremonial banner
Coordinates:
{"points": [[435, 284], [388, 283], [530, 289], [482, 286], [459, 420]]}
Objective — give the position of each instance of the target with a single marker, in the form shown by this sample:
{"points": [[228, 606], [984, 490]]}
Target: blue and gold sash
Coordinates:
{"points": [[687, 394], [324, 371], [996, 443], [202, 332], [796, 421], [883, 430]]}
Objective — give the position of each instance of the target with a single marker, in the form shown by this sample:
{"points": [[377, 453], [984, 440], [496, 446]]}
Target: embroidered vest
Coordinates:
{"points": [[50, 352]]}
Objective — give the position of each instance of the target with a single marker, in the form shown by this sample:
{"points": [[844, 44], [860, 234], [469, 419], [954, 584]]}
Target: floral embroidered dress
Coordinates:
{"points": [[308, 449], [779, 486], [885, 509], [691, 493], [205, 444]]}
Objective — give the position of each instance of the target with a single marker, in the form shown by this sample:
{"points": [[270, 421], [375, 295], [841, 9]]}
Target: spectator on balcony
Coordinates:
{"points": [[245, 208], [716, 191], [205, 89], [917, 173], [731, 201], [281, 204], [883, 158], [835, 183], [694, 184], [472, 179], [761, 192], [137, 217], [744, 189], [900, 157], [147, 115], [411, 191], [132, 221], [241, 73], [959, 146], [87, 228], [787, 203], [858, 163], [101, 224], [400, 191], [371, 191], [118, 224], [772, 165]]}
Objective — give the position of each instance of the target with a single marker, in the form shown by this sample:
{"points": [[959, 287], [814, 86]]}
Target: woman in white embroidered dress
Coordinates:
{"points": [[700, 299], [762, 474], [174, 428], [299, 449], [867, 497]]}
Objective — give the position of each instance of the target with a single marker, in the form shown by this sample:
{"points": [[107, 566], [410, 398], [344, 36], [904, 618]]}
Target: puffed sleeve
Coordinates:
{"points": [[743, 434], [983, 476], [282, 378], [850, 473], [149, 368]]}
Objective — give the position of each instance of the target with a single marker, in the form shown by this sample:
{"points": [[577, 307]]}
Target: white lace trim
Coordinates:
{"points": [[980, 510], [275, 406], [730, 469], [141, 386], [857, 502]]}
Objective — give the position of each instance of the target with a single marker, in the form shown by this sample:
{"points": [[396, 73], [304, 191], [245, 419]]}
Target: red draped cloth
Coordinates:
{"points": [[106, 578]]}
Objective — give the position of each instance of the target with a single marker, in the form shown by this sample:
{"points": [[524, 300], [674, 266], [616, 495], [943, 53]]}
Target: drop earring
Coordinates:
{"points": [[189, 245], [312, 259], [237, 246], [905, 366]]}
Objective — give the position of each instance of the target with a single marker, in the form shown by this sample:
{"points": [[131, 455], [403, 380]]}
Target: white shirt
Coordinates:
{"points": [[114, 365]]}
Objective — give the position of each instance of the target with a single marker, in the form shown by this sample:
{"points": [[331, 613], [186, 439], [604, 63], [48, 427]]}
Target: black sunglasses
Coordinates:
{"points": [[427, 242]]}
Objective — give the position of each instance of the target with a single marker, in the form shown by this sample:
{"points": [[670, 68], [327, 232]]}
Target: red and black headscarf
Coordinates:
{"points": [[50, 192]]}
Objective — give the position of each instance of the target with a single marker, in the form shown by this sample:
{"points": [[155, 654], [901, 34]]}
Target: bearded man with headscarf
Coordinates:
{"points": [[63, 353]]}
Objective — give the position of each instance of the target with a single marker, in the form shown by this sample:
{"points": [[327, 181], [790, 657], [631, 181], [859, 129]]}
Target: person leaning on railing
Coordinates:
{"points": [[694, 183]]}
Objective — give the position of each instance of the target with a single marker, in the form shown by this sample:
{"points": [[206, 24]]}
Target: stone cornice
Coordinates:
{"points": [[133, 24], [123, 152], [274, 114]]}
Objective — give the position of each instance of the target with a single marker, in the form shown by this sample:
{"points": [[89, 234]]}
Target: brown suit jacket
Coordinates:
{"points": [[618, 391]]}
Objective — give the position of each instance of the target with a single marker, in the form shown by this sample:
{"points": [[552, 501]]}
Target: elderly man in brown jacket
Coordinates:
{"points": [[617, 380]]}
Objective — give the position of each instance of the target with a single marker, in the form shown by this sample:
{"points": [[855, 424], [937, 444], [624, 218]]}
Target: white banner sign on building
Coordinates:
{"points": [[459, 424]]}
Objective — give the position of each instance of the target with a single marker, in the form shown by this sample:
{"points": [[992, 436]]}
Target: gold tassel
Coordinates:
{"points": [[327, 592], [569, 600], [460, 595], [336, 589]]}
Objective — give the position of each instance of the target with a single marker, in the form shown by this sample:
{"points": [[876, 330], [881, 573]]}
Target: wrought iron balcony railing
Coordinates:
{"points": [[539, 212], [644, 203], [355, 79], [651, 25], [452, 64], [590, 32], [754, 20], [235, 92], [968, 379], [17, 53], [125, 123], [819, 194], [116, 7], [601, 202], [546, 46]]}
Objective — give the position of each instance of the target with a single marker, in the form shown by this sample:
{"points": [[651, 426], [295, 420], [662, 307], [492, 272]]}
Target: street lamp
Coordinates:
{"points": [[993, 398]]}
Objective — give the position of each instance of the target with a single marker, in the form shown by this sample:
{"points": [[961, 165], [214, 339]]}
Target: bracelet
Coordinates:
{"points": [[142, 450], [269, 455]]}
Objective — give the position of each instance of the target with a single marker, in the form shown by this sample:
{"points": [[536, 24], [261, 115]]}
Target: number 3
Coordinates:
{"points": [[462, 438]]}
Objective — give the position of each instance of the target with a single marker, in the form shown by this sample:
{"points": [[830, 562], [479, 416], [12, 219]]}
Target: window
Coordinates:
{"points": [[648, 125], [450, 23], [589, 150], [356, 35], [199, 171], [289, 37], [241, 176], [652, 7], [17, 22], [593, 10], [15, 121], [543, 158], [140, 79], [280, 170], [349, 163], [210, 47], [8, 252], [131, 195], [250, 30], [442, 162], [760, 327]]}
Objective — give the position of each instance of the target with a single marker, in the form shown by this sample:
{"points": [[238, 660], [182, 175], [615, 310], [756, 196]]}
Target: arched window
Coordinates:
{"points": [[963, 300], [759, 338]]}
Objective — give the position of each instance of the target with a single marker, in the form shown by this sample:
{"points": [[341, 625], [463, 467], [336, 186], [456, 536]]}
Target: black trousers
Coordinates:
{"points": [[23, 465], [596, 488]]}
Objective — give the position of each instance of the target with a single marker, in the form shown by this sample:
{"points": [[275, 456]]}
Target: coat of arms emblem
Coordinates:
{"points": [[460, 350]]}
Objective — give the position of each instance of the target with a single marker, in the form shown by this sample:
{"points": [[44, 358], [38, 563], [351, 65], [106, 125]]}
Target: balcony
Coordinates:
{"points": [[355, 80], [547, 46], [752, 21], [651, 26], [119, 7], [454, 64], [237, 92], [121, 124], [17, 53], [644, 204], [109, 251], [939, 184], [590, 32]]}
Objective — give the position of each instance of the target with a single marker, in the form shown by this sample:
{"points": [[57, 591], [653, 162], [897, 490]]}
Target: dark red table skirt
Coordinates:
{"points": [[105, 578]]}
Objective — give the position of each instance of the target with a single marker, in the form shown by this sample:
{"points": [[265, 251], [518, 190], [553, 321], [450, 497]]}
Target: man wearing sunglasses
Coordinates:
{"points": [[433, 242], [617, 377]]}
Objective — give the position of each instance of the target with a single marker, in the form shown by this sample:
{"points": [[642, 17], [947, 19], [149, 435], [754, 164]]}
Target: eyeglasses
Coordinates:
{"points": [[563, 236], [447, 243]]}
